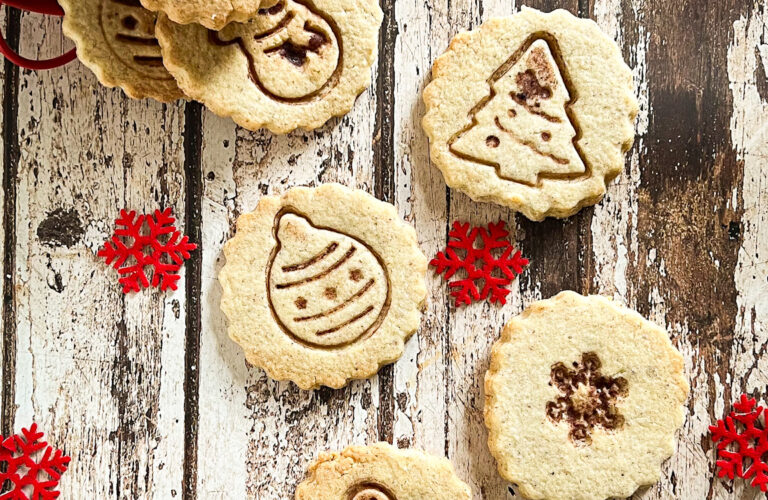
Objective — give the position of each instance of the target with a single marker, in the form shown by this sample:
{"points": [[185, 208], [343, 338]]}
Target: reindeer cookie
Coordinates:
{"points": [[583, 398], [381, 472], [533, 111], [213, 14], [116, 40], [322, 285], [295, 64]]}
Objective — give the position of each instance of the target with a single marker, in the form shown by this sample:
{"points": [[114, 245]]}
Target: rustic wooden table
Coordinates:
{"points": [[152, 400]]}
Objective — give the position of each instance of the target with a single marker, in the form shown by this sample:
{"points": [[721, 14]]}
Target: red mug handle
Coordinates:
{"points": [[49, 7]]}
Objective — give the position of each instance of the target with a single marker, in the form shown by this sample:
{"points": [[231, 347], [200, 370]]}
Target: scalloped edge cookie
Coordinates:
{"points": [[246, 304], [219, 76], [606, 109], [213, 14], [537, 452], [93, 51], [386, 472]]}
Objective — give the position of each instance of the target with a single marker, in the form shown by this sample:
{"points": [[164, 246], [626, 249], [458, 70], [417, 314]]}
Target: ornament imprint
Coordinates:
{"points": [[523, 128], [325, 288]]}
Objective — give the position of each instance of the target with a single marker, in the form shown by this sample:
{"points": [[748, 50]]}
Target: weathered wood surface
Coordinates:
{"points": [[151, 398]]}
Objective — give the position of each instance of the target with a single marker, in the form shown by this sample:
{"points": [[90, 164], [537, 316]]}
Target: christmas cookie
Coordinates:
{"points": [[213, 14], [322, 285], [294, 65], [583, 398], [533, 111], [381, 472], [116, 40]]}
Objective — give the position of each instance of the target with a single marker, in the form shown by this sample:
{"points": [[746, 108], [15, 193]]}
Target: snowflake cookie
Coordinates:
{"points": [[533, 111], [583, 398], [116, 40], [322, 285], [381, 472], [296, 64]]}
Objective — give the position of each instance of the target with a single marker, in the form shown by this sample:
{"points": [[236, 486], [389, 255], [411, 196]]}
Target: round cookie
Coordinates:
{"points": [[381, 472], [583, 398], [213, 14], [116, 40], [533, 111], [322, 285], [295, 64]]}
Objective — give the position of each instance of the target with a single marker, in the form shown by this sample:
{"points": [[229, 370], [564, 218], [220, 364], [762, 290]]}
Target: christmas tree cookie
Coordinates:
{"points": [[381, 472], [322, 285], [533, 111], [116, 40], [583, 398]]}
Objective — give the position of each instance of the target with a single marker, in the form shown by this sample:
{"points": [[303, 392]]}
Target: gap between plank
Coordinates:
{"points": [[384, 180], [10, 171], [193, 185]]}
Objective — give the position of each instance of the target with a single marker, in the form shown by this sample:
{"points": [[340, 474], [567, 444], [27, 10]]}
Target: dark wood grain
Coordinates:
{"points": [[193, 179], [12, 32]]}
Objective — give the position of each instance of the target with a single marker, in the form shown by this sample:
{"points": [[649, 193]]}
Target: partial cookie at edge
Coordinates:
{"points": [[129, 57], [295, 65], [381, 472]]}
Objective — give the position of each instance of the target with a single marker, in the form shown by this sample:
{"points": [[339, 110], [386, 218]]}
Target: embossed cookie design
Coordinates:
{"points": [[116, 39], [583, 398], [322, 285], [287, 42], [381, 472], [213, 14], [295, 64], [533, 111], [326, 288]]}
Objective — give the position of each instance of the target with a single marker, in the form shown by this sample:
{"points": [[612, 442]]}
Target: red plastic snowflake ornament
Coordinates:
{"points": [[147, 242], [486, 257], [742, 440], [26, 460]]}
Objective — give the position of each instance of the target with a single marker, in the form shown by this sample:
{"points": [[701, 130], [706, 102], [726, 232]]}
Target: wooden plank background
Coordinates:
{"points": [[152, 400]]}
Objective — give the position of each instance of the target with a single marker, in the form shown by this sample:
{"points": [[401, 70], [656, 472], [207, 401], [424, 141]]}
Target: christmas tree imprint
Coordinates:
{"points": [[523, 129]]}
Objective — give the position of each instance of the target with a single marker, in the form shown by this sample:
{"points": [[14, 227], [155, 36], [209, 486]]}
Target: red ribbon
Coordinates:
{"points": [[48, 7]]}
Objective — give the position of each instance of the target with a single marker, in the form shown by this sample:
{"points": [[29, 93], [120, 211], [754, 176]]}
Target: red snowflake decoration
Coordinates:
{"points": [[160, 248], [492, 264], [744, 428], [23, 472]]}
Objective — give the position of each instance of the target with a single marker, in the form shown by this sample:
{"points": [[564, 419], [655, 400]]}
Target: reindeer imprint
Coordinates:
{"points": [[523, 127], [326, 289], [129, 30]]}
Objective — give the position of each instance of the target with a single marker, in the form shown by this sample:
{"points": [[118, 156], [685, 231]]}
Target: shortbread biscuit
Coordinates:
{"points": [[213, 14], [322, 285], [583, 398], [533, 111], [381, 472], [296, 64], [116, 40]]}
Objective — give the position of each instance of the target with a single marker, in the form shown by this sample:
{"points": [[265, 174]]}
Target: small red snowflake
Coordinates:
{"points": [[21, 472], [744, 429], [159, 247], [489, 261]]}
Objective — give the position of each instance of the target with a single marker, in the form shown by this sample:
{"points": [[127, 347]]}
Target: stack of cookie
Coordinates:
{"points": [[278, 64]]}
